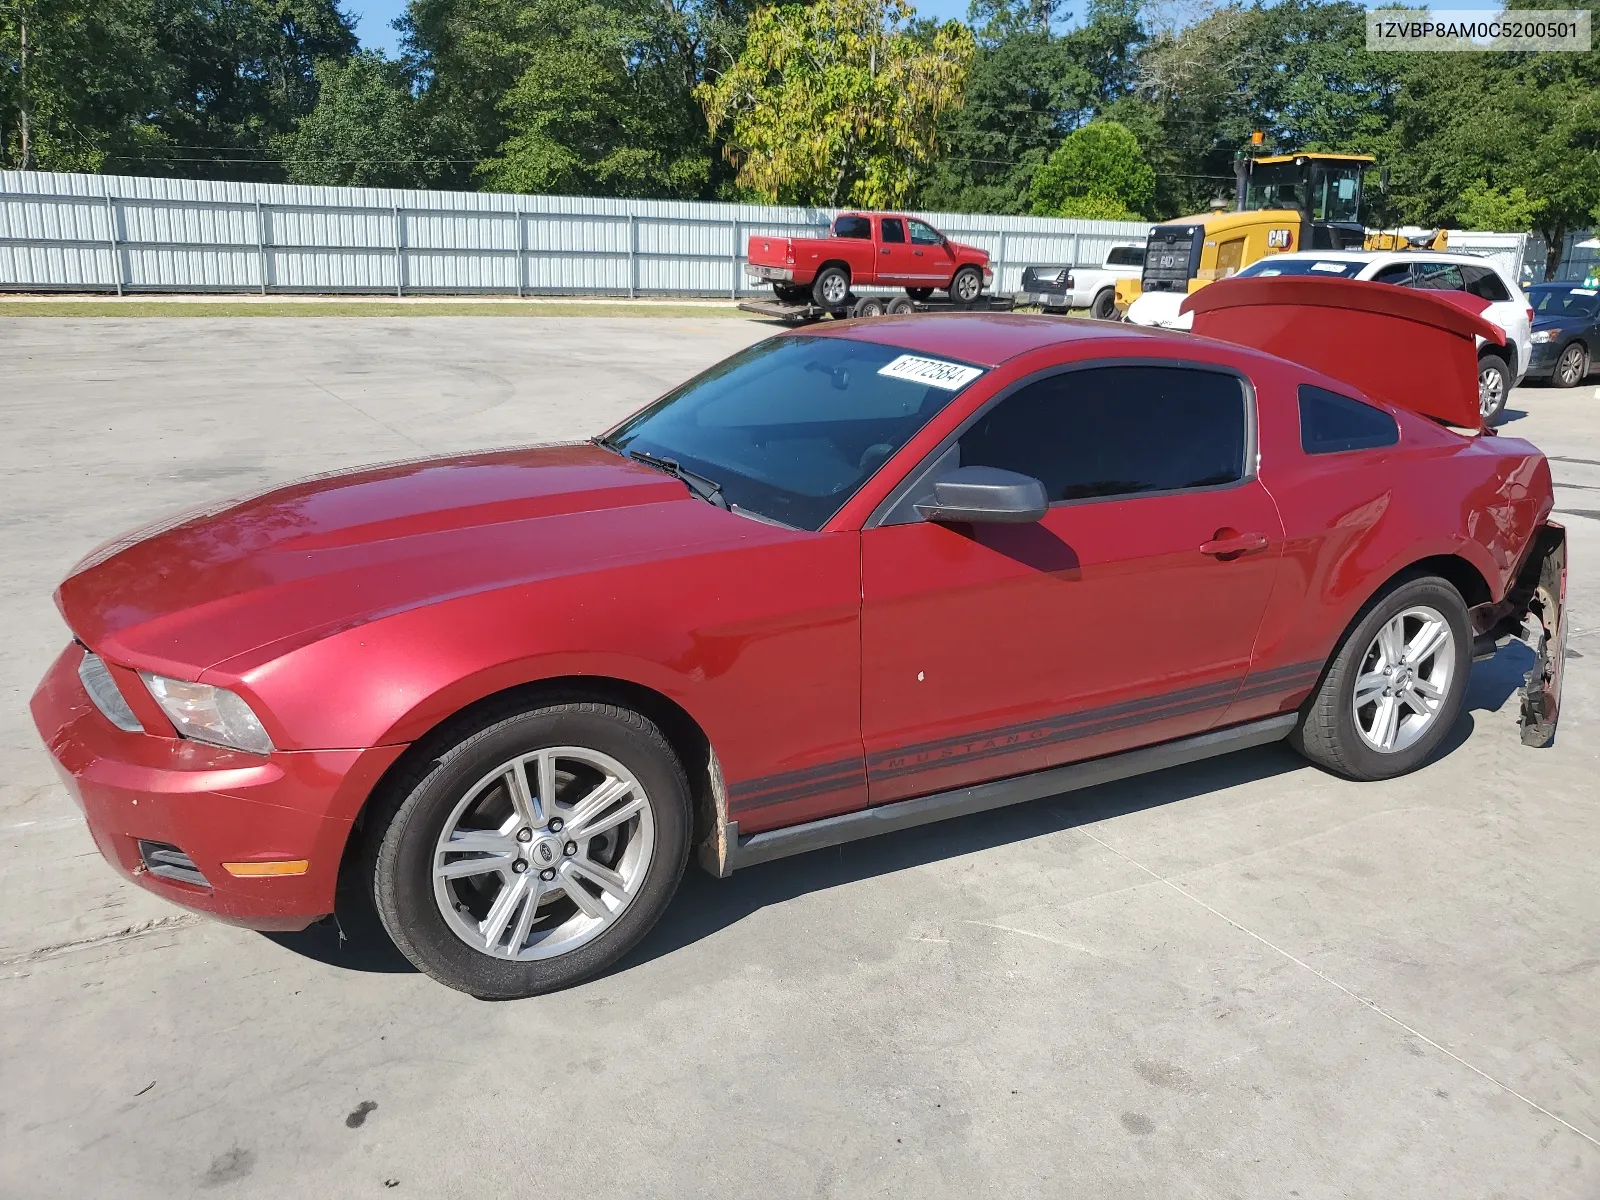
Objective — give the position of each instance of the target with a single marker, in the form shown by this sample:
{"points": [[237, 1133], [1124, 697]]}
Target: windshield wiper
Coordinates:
{"points": [[706, 489]]}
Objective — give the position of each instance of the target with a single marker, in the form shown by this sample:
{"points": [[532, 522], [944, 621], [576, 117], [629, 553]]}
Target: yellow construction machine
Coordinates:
{"points": [[1284, 202]]}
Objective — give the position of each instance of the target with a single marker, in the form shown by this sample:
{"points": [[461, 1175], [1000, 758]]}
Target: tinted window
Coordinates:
{"points": [[924, 234], [1437, 277], [1116, 431], [894, 229], [1125, 256], [1331, 423], [1484, 283], [1399, 274], [793, 426], [853, 227], [1333, 268]]}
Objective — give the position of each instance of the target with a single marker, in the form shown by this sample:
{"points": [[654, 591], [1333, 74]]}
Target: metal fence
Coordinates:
{"points": [[103, 233], [61, 232]]}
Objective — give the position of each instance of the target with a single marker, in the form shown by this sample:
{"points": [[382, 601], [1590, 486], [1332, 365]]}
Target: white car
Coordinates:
{"points": [[1429, 269], [1094, 288]]}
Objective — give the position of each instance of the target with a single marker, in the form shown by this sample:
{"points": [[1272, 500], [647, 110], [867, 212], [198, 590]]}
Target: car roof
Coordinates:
{"points": [[984, 339], [1383, 257]]}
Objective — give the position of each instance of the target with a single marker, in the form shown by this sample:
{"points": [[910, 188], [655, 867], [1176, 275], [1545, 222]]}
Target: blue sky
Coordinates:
{"points": [[374, 17]]}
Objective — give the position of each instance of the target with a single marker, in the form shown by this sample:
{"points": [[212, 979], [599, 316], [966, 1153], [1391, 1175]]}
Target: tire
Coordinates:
{"points": [[463, 789], [966, 285], [831, 288], [790, 293], [1336, 733], [901, 305], [1494, 386], [1572, 366], [868, 306], [919, 294], [1104, 305]]}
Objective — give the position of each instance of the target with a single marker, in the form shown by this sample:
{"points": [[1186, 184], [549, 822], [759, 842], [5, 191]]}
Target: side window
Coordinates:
{"points": [[1398, 274], [894, 229], [1485, 283], [1437, 277], [1125, 256], [923, 234], [853, 227], [1117, 431], [1331, 423]]}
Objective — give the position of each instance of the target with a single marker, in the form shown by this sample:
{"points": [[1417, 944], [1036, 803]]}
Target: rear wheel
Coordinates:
{"points": [[1494, 385], [900, 305], [536, 851], [1571, 367], [919, 294], [868, 306], [831, 287], [966, 285], [1104, 305], [1395, 687]]}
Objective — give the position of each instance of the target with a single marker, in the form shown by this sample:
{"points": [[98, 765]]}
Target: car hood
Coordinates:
{"points": [[335, 551], [1560, 321]]}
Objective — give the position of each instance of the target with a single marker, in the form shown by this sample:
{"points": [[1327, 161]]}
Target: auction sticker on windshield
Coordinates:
{"points": [[935, 371]]}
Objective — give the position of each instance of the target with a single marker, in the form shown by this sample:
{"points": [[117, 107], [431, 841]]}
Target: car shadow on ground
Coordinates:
{"points": [[355, 940], [1508, 415]]}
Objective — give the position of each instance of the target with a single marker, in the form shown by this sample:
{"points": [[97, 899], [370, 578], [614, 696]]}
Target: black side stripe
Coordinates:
{"points": [[822, 778]]}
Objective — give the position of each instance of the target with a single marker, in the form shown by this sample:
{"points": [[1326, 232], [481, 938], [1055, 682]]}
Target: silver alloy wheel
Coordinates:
{"points": [[835, 288], [968, 285], [1490, 388], [1404, 679], [1569, 365], [543, 853]]}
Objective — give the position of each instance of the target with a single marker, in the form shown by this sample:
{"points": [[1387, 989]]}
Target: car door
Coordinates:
{"points": [[1126, 616], [896, 265], [932, 262]]}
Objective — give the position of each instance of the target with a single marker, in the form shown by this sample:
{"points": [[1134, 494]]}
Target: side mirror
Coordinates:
{"points": [[985, 494]]}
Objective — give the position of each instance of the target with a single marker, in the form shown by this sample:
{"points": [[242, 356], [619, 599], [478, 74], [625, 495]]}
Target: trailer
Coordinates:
{"points": [[804, 312]]}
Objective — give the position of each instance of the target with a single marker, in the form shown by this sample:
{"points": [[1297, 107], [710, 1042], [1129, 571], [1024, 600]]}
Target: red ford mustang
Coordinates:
{"points": [[847, 581]]}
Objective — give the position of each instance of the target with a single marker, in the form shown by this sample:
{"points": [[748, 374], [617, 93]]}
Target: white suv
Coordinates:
{"points": [[1427, 269]]}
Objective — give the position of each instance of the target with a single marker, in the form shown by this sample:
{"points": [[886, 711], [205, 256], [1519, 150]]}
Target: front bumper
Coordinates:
{"points": [[1542, 358], [218, 806], [779, 274]]}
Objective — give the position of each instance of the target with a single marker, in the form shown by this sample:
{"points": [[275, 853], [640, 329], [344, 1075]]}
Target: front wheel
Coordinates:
{"points": [[966, 285], [1571, 367], [1494, 385], [1395, 687], [536, 851]]}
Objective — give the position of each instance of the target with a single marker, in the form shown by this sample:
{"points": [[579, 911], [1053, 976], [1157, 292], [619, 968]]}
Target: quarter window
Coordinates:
{"points": [[1331, 423], [1485, 283], [1117, 431]]}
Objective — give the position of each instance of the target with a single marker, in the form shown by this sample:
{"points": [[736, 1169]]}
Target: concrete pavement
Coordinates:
{"points": [[1244, 978]]}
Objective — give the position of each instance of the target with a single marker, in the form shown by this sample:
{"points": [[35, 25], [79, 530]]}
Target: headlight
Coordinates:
{"points": [[209, 714], [1542, 336]]}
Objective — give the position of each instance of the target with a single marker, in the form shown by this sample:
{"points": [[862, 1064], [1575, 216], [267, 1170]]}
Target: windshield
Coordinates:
{"points": [[792, 427], [1323, 191], [1279, 265], [1566, 302]]}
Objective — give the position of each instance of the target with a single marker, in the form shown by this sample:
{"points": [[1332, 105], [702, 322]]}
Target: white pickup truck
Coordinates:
{"points": [[1056, 289]]}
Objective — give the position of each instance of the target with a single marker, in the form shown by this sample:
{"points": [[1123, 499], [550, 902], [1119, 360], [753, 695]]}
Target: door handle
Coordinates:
{"points": [[885, 250], [918, 253], [1229, 543]]}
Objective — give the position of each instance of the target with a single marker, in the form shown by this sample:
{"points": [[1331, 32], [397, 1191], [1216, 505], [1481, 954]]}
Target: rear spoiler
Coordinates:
{"points": [[1412, 349]]}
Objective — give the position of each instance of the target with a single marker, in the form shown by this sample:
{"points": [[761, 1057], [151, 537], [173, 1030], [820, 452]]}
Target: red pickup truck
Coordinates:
{"points": [[882, 249]]}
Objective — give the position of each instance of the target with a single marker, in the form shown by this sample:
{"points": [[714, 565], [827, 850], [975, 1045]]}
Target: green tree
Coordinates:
{"points": [[364, 130], [837, 102], [1489, 208], [1097, 172]]}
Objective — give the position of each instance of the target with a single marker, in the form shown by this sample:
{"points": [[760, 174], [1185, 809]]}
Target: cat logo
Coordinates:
{"points": [[1280, 239]]}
